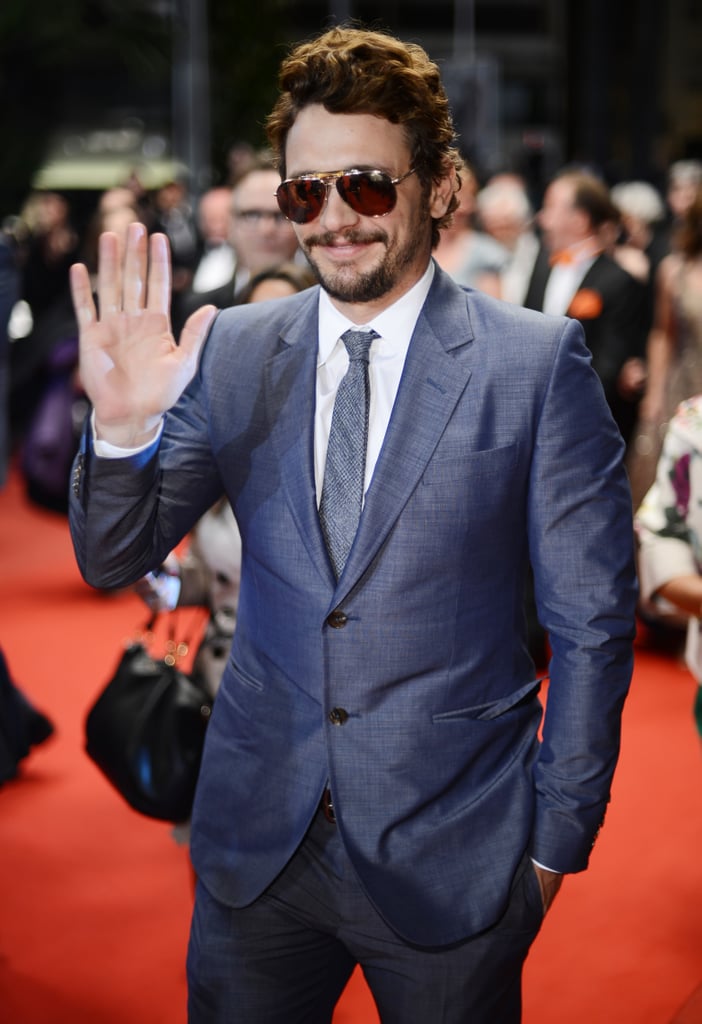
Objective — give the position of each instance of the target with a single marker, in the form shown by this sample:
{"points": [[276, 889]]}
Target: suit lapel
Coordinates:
{"points": [[534, 298], [290, 378], [593, 274]]}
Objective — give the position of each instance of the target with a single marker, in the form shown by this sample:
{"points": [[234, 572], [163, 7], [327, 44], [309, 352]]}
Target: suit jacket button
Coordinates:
{"points": [[337, 619], [337, 716]]}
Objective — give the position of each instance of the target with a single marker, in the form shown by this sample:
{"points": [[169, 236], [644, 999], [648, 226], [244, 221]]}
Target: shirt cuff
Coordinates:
{"points": [[105, 450], [544, 868]]}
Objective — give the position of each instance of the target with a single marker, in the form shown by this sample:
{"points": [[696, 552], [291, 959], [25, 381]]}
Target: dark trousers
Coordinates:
{"points": [[286, 958]]}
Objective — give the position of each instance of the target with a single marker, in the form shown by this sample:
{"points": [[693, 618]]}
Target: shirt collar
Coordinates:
{"points": [[397, 322], [582, 252]]}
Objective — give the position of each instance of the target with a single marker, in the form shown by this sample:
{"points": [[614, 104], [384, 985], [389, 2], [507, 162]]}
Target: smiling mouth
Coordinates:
{"points": [[349, 241]]}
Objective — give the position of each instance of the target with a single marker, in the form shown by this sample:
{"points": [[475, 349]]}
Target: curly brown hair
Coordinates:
{"points": [[357, 71]]}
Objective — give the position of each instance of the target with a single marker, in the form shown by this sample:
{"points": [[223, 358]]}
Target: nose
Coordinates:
{"points": [[336, 214]]}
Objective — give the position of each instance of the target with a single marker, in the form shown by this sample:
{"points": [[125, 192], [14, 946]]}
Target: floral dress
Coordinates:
{"points": [[669, 521]]}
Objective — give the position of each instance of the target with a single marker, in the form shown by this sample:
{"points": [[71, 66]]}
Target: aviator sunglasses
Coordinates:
{"points": [[370, 193]]}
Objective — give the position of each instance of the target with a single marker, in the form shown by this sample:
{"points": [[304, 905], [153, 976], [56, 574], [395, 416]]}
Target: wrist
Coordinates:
{"points": [[127, 436]]}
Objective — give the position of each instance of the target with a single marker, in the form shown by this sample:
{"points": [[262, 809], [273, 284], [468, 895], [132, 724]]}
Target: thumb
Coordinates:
{"points": [[195, 331]]}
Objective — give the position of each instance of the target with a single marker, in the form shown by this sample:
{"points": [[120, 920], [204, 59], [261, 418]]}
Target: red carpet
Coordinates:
{"points": [[96, 899]]}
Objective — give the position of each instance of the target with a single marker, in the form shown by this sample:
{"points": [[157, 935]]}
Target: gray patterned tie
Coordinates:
{"points": [[344, 471]]}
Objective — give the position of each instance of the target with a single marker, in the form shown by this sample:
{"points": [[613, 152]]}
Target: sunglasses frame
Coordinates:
{"points": [[329, 178]]}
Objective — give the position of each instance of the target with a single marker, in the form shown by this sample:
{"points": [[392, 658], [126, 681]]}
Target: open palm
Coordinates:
{"points": [[131, 367]]}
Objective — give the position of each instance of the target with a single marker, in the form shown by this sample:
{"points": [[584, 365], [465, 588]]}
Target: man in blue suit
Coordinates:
{"points": [[375, 789]]}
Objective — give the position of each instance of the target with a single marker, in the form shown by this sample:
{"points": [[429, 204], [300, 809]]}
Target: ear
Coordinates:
{"points": [[442, 192], [585, 227]]}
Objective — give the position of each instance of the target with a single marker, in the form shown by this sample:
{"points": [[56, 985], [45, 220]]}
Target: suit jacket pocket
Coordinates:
{"points": [[492, 709], [452, 462], [248, 680]]}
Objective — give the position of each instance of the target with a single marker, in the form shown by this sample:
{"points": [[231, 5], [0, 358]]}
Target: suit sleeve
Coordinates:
{"points": [[127, 514], [581, 547]]}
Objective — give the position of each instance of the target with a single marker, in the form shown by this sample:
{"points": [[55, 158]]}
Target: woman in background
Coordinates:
{"points": [[473, 258], [674, 352], [669, 531]]}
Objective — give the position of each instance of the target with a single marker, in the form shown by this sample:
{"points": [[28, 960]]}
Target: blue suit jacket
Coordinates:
{"points": [[500, 448]]}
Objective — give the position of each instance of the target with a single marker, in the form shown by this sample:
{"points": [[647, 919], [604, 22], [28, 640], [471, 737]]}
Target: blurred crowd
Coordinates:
{"points": [[230, 246], [618, 258], [624, 259], [219, 242]]}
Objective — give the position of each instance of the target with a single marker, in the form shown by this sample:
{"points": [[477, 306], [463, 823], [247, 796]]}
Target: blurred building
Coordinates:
{"points": [[617, 84], [534, 84]]}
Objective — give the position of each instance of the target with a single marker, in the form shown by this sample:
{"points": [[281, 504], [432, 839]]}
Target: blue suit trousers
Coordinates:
{"points": [[286, 958]]}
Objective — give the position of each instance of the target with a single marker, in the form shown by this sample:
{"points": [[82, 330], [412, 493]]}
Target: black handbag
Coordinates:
{"points": [[146, 731]]}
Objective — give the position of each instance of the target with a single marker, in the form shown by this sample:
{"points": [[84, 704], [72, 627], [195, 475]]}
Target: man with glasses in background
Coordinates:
{"points": [[259, 237], [375, 788]]}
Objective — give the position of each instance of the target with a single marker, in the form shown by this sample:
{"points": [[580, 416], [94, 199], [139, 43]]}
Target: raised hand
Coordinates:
{"points": [[130, 365]]}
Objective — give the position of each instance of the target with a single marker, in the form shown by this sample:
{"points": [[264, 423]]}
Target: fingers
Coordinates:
{"points": [[82, 295], [159, 290], [147, 272], [109, 284], [195, 331], [145, 282], [135, 260]]}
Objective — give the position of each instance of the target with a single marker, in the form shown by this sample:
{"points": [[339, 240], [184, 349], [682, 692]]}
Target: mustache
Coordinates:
{"points": [[329, 238]]}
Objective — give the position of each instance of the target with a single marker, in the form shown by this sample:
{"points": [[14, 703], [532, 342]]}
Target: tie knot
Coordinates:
{"points": [[358, 344]]}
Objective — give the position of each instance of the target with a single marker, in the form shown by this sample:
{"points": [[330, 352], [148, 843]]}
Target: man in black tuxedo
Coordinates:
{"points": [[574, 276]]}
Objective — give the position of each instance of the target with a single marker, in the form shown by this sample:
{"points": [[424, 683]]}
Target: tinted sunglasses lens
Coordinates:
{"points": [[370, 193], [302, 199]]}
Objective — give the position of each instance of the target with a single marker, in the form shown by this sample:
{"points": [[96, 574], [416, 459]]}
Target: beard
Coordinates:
{"points": [[346, 283]]}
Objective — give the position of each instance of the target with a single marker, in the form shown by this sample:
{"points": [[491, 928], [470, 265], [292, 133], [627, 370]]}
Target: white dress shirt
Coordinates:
{"points": [[215, 268], [395, 326], [566, 277], [516, 275]]}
